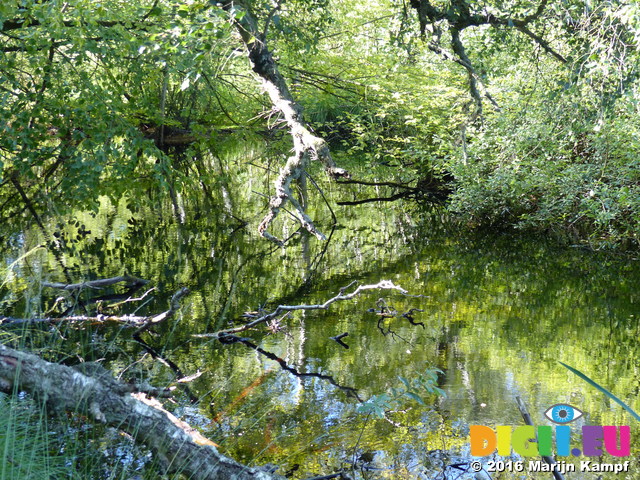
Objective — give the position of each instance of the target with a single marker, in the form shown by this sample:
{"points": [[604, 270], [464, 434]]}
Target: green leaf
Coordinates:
{"points": [[603, 390], [415, 397], [405, 381], [440, 391]]}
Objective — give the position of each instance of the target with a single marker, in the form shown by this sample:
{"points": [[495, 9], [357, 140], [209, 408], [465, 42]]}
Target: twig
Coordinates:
{"points": [[174, 305], [329, 477], [137, 299], [381, 285], [228, 339], [100, 283], [338, 339]]}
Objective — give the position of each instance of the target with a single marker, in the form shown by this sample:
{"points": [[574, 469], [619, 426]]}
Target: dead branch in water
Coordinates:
{"points": [[143, 322], [100, 283], [524, 411], [381, 285]]}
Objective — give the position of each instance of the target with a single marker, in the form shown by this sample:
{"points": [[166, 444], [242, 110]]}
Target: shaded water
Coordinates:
{"points": [[499, 311]]}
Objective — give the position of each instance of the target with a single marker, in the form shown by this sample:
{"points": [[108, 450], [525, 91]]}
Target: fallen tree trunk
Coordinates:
{"points": [[177, 447], [307, 146]]}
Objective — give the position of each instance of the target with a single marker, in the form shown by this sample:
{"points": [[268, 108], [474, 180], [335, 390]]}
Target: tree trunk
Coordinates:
{"points": [[307, 146], [177, 447]]}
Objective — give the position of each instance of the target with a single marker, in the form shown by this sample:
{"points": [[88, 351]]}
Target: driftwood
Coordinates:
{"points": [[381, 285], [90, 390], [177, 447]]}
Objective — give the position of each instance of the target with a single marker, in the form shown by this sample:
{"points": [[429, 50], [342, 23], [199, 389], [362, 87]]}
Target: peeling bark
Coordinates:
{"points": [[177, 447], [307, 146]]}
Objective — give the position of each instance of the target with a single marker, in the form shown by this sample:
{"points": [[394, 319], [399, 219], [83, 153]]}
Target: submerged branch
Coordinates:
{"points": [[174, 305], [527, 419], [100, 283], [381, 285], [143, 321], [228, 338], [128, 320]]}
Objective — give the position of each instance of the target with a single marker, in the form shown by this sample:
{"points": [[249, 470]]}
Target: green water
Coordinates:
{"points": [[499, 312]]}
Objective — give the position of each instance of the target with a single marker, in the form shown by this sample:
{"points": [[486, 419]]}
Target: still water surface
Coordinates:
{"points": [[498, 313]]}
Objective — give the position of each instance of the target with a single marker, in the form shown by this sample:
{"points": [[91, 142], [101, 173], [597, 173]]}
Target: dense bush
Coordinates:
{"points": [[562, 167]]}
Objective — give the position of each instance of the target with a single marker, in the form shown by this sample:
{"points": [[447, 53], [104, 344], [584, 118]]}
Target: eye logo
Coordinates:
{"points": [[562, 413], [527, 441]]}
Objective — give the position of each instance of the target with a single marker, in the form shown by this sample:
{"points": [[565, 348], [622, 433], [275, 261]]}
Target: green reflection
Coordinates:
{"points": [[498, 311]]}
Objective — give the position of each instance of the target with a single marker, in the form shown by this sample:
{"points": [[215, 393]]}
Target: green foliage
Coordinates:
{"points": [[561, 167], [561, 156], [376, 99], [602, 389], [415, 389], [88, 89], [294, 26], [25, 447], [89, 92]]}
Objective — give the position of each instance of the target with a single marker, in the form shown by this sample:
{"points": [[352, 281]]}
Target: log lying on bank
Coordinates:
{"points": [[176, 447]]}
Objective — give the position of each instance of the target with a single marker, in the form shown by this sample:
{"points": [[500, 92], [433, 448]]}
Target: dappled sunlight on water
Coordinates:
{"points": [[497, 313]]}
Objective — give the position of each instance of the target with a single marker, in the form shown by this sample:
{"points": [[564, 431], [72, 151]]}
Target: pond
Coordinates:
{"points": [[494, 314]]}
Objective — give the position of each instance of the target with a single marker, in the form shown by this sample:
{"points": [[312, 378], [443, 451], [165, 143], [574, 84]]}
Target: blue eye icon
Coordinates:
{"points": [[563, 413]]}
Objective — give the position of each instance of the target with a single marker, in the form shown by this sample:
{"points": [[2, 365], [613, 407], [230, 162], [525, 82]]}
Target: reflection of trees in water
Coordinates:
{"points": [[498, 312]]}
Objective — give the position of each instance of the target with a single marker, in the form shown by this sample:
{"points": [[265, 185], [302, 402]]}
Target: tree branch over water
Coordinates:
{"points": [[307, 146], [457, 17]]}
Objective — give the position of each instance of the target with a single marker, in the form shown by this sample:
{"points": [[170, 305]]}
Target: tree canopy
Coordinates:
{"points": [[498, 115], [527, 111]]}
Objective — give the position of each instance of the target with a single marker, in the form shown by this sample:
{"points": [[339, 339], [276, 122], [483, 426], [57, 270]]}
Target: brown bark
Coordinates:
{"points": [[176, 446], [307, 146]]}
